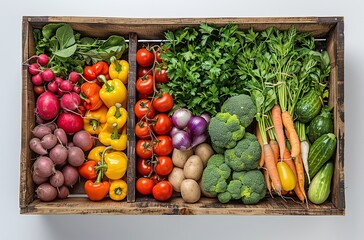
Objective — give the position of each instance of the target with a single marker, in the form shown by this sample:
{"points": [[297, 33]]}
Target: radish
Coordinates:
{"points": [[57, 179], [76, 89], [47, 75], [43, 59], [58, 154], [34, 68], [36, 146], [83, 140], [41, 130], [43, 167], [70, 175], [70, 122], [46, 192], [60, 92], [70, 101], [76, 157], [66, 86], [52, 86], [37, 79], [61, 135], [49, 141], [58, 80], [63, 192], [74, 77], [38, 180], [47, 106]]}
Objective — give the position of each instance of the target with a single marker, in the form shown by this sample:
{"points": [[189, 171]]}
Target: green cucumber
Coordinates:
{"points": [[309, 106], [320, 152], [319, 189], [321, 124]]}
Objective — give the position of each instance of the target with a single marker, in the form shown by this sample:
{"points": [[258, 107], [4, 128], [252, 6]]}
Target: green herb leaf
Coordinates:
{"points": [[66, 52], [65, 36], [50, 29]]}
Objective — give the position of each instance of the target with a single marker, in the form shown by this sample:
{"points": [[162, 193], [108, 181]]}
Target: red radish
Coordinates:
{"points": [[58, 154], [61, 135], [47, 106], [49, 141], [38, 180], [58, 80], [41, 130], [63, 192], [57, 179], [52, 86], [52, 126], [66, 86], [46, 192], [48, 75], [76, 89], [70, 122], [70, 175], [43, 59], [83, 140], [43, 167], [70, 101], [34, 68], [74, 77], [60, 92], [37, 79], [39, 89], [76, 157]]}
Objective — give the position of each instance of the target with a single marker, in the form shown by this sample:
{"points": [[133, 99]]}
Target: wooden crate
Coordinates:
{"points": [[328, 29]]}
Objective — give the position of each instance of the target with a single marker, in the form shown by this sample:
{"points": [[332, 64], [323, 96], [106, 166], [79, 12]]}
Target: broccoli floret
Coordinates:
{"points": [[216, 174], [242, 105], [253, 186], [225, 130], [224, 197], [245, 155], [233, 192]]}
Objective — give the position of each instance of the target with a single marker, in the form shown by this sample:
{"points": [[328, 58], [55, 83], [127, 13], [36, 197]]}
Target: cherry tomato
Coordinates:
{"points": [[286, 176], [162, 191], [142, 130], [39, 89], [156, 178], [158, 56], [144, 57], [143, 71], [163, 145], [143, 149], [143, 166], [163, 103], [162, 124], [161, 74], [144, 107], [164, 165], [145, 85], [144, 185]]}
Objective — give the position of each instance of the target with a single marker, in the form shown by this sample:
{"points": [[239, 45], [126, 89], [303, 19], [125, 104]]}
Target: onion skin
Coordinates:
{"points": [[181, 140], [181, 117]]}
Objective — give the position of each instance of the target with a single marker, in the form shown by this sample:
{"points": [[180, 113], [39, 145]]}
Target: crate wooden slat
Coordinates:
{"points": [[327, 29]]}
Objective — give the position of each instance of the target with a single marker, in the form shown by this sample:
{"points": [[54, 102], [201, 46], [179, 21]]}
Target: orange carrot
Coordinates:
{"points": [[259, 137], [267, 180], [272, 168], [300, 175], [291, 134], [275, 148], [288, 159], [278, 128]]}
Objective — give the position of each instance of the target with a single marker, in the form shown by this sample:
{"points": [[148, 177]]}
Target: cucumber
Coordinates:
{"points": [[321, 124], [309, 106], [320, 152], [319, 189]]}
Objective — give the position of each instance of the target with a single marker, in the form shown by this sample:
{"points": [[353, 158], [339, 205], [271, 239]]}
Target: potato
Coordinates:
{"points": [[190, 191], [193, 168], [179, 157], [204, 193], [175, 178], [204, 151]]}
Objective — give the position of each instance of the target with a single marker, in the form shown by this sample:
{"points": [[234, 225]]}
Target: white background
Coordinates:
{"points": [[16, 226]]}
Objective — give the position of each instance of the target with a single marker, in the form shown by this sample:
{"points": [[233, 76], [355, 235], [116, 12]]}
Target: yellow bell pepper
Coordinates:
{"points": [[116, 114], [112, 137], [95, 154], [94, 120], [114, 163], [112, 92], [119, 69], [118, 190]]}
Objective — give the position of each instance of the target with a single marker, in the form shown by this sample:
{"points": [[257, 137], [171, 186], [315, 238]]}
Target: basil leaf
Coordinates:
{"points": [[65, 36], [66, 52], [50, 29]]}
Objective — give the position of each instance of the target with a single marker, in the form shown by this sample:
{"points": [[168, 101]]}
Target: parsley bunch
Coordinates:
{"points": [[201, 65]]}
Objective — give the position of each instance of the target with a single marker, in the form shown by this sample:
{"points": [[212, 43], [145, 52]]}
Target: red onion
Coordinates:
{"points": [[181, 140], [181, 117], [173, 131], [198, 139], [197, 125], [206, 116]]}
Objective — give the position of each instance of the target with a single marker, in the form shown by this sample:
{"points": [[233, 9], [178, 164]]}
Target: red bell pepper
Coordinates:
{"points": [[90, 73], [90, 95], [87, 170]]}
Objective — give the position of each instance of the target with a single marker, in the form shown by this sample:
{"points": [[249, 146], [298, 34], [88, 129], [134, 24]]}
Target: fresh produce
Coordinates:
{"points": [[47, 106], [176, 178], [112, 91], [119, 69], [190, 191], [319, 189], [71, 175], [162, 191], [46, 192], [91, 73], [144, 185], [116, 114], [321, 151], [193, 168], [57, 179], [112, 136], [97, 191], [40, 131], [43, 167], [76, 156], [36, 146], [321, 124], [308, 106], [164, 165], [94, 120], [204, 151], [70, 122], [118, 190], [179, 157], [90, 96], [286, 176], [59, 154], [144, 57], [83, 140]]}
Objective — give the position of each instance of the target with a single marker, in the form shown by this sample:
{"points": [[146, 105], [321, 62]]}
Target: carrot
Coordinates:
{"points": [[275, 148], [291, 134], [259, 137], [272, 168], [267, 180], [278, 128], [300, 176]]}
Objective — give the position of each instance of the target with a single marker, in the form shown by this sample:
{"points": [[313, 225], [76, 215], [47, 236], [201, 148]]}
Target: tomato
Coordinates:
{"points": [[162, 191], [163, 103], [164, 165], [144, 107], [144, 57], [158, 56], [162, 124], [142, 130], [142, 71], [143, 166], [144, 185], [161, 75], [286, 176], [39, 89], [163, 145], [156, 178], [145, 85], [143, 149]]}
